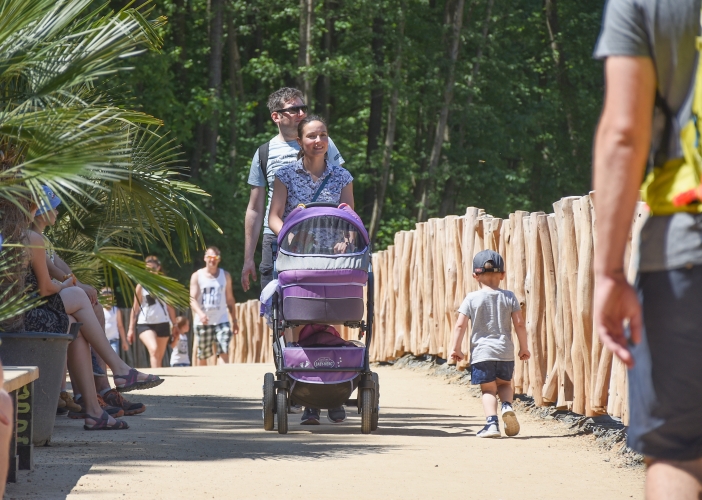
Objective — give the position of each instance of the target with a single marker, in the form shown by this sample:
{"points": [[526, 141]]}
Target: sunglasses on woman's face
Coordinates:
{"points": [[293, 110]]}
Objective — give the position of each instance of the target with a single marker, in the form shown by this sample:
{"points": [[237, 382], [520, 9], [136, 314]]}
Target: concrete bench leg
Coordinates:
{"points": [[25, 426]]}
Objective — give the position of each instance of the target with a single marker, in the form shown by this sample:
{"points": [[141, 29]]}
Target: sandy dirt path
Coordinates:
{"points": [[201, 437]]}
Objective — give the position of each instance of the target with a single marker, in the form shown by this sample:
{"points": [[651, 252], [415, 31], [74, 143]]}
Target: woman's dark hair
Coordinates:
{"points": [[301, 127]]}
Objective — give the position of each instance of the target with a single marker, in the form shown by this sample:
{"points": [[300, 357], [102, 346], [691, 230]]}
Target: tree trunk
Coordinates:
{"points": [[324, 80], [375, 120], [304, 58], [379, 200], [565, 88], [214, 82], [479, 54], [235, 89], [443, 115]]}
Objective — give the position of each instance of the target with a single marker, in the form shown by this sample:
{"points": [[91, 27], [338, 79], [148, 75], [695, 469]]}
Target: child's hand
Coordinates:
{"points": [[457, 355], [524, 354]]}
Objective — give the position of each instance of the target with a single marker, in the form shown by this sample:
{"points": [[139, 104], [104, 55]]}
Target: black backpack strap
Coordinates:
{"points": [[662, 153], [263, 159]]}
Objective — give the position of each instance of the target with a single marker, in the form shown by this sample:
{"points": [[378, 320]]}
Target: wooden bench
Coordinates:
{"points": [[19, 383]]}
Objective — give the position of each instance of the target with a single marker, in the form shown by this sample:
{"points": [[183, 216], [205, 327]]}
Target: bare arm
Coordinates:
{"points": [[195, 298], [41, 271], [622, 145], [231, 303], [280, 197], [120, 329], [520, 328], [347, 195], [62, 267], [458, 332], [255, 212], [136, 306]]}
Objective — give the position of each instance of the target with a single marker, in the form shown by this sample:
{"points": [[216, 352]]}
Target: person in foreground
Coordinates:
{"points": [[648, 127], [491, 310], [311, 178]]}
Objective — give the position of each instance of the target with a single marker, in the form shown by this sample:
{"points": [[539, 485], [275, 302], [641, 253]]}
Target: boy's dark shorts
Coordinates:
{"points": [[488, 371], [665, 385]]}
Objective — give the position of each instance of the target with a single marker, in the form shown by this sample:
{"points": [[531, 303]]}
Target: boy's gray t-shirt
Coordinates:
{"points": [[490, 312], [664, 31], [281, 153]]}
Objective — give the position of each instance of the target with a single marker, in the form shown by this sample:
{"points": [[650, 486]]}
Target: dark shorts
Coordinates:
{"points": [[161, 329], [266, 267], [488, 371], [665, 385]]}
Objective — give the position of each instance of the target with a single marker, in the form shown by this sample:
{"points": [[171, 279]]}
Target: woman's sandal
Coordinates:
{"points": [[132, 383], [101, 423]]}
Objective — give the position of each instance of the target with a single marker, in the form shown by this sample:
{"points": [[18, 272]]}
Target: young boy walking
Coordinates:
{"points": [[491, 349]]}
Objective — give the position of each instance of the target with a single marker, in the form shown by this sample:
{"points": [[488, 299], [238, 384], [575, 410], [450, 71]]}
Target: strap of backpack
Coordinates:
{"points": [[664, 146], [263, 159]]}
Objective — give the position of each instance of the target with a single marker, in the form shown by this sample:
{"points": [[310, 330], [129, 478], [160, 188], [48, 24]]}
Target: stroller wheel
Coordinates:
{"points": [[268, 402], [282, 411], [366, 411], [376, 406]]}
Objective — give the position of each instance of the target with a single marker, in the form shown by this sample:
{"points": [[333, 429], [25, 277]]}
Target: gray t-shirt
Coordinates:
{"points": [[281, 153], [490, 312], [665, 31]]}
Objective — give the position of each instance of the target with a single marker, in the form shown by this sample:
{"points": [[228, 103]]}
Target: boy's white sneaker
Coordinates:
{"points": [[491, 430], [510, 420]]}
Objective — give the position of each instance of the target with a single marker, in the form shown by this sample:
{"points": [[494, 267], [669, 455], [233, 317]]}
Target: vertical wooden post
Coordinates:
{"points": [[550, 307]]}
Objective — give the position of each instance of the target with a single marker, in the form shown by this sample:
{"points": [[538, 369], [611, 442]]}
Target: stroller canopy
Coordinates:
{"points": [[323, 238]]}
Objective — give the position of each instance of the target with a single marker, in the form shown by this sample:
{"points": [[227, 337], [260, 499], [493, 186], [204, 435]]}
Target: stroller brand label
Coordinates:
{"points": [[324, 363]]}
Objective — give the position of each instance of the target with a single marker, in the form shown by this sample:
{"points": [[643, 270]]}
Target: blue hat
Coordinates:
{"points": [[53, 199], [482, 258]]}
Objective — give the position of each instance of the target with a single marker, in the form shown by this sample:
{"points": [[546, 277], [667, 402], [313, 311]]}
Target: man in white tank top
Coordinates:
{"points": [[212, 301]]}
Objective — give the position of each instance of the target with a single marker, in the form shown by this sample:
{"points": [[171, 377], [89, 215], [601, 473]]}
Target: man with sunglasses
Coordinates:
{"points": [[212, 302], [287, 110]]}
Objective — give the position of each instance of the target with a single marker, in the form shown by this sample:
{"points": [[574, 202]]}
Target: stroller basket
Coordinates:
{"points": [[323, 365]]}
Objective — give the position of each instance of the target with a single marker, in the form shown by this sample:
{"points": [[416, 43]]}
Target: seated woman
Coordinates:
{"points": [[112, 400], [65, 304], [312, 178]]}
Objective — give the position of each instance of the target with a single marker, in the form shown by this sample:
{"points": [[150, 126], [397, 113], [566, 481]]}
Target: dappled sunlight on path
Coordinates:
{"points": [[202, 437]]}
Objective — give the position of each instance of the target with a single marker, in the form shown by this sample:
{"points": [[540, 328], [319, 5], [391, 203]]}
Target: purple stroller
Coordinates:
{"points": [[322, 265]]}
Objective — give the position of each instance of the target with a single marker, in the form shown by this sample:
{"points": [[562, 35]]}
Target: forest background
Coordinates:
{"points": [[434, 104]]}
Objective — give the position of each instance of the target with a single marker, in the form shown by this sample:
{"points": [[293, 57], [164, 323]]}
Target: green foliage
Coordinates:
{"points": [[63, 124], [508, 145]]}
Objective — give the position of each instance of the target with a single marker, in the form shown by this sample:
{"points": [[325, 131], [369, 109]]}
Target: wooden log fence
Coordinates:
{"points": [[422, 278]]}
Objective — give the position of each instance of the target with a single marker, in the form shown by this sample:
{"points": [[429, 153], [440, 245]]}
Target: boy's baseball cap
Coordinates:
{"points": [[481, 258], [54, 201]]}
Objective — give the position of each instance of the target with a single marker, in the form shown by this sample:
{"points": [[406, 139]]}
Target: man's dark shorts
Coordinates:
{"points": [[266, 267], [488, 371], [665, 385]]}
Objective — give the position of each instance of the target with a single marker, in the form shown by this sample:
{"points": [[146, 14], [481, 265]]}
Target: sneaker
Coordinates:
{"points": [[114, 398], [295, 409], [310, 417], [510, 420], [68, 402], [336, 415], [61, 411], [491, 430]]}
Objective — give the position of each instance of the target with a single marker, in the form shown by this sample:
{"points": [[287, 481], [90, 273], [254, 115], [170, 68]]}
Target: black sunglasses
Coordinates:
{"points": [[293, 110]]}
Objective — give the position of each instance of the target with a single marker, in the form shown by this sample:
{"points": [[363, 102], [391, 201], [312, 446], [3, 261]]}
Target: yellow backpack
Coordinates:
{"points": [[676, 185]]}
